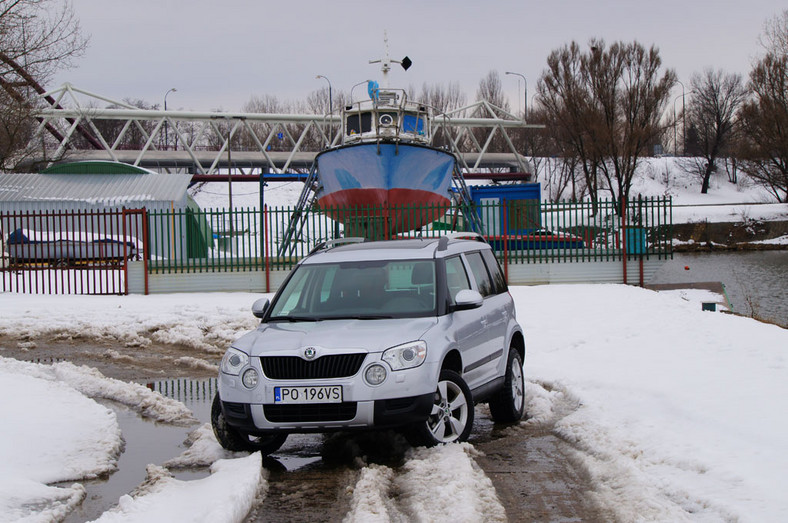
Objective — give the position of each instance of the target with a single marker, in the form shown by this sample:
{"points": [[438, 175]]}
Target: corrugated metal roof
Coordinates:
{"points": [[93, 189]]}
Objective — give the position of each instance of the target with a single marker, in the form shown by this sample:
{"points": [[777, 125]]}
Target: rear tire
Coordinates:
{"points": [[451, 419], [235, 441], [508, 404]]}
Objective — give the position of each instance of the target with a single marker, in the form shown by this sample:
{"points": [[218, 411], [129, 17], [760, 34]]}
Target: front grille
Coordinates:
{"points": [[295, 368], [310, 412]]}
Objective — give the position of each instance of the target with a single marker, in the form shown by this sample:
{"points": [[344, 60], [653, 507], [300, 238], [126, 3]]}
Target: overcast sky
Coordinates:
{"points": [[218, 54]]}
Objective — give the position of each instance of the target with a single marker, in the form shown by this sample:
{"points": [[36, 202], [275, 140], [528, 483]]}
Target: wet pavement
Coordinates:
{"points": [[311, 477]]}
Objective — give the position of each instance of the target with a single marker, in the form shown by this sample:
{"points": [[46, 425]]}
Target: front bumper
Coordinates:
{"points": [[259, 419], [406, 396]]}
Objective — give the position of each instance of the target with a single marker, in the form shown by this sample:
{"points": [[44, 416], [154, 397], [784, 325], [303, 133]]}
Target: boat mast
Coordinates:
{"points": [[386, 61]]}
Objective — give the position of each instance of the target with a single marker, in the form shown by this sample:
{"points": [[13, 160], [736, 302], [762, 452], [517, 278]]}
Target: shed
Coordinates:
{"points": [[104, 186], [521, 202]]}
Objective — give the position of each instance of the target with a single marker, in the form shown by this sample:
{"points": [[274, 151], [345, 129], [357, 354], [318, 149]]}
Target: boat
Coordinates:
{"points": [[385, 174]]}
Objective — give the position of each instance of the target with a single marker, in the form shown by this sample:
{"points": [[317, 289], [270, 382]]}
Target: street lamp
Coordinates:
{"points": [[683, 122], [330, 106], [166, 134], [525, 91]]}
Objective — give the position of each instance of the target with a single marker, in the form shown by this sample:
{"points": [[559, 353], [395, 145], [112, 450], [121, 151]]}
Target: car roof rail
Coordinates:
{"points": [[459, 235], [336, 242]]}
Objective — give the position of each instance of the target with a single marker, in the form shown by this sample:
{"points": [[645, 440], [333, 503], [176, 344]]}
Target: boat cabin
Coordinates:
{"points": [[387, 116]]}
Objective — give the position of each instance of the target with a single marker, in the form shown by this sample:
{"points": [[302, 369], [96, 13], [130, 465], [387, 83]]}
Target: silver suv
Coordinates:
{"points": [[405, 334]]}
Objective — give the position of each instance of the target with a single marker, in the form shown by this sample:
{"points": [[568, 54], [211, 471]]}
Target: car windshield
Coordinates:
{"points": [[359, 290]]}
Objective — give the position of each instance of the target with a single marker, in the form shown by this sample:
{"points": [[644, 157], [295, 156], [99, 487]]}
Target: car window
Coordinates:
{"points": [[479, 271], [499, 281], [456, 277], [368, 289]]}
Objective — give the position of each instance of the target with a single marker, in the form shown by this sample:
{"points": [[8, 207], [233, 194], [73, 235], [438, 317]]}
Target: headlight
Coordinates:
{"points": [[375, 374], [406, 356], [233, 361]]}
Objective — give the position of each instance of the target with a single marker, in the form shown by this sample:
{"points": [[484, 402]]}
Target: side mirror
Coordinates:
{"points": [[259, 307], [467, 299]]}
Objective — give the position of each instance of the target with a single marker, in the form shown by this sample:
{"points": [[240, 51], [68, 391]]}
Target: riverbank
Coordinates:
{"points": [[747, 235]]}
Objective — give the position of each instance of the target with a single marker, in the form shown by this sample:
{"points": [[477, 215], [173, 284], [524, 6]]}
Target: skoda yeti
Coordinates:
{"points": [[405, 334]]}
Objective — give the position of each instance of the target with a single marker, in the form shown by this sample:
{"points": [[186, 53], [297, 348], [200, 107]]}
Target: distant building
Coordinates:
{"points": [[102, 186]]}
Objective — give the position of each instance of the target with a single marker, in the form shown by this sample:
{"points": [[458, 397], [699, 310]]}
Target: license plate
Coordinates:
{"points": [[331, 394]]}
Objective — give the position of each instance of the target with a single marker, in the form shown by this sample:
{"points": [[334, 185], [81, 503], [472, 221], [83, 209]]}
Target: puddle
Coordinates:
{"points": [[147, 442]]}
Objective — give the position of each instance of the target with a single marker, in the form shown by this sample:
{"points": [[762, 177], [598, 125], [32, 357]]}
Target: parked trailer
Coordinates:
{"points": [[31, 248]]}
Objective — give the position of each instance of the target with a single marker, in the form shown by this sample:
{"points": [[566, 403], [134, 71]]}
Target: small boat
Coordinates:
{"points": [[385, 173]]}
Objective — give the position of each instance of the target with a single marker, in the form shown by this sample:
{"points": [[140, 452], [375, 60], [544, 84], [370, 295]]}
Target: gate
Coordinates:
{"points": [[70, 252]]}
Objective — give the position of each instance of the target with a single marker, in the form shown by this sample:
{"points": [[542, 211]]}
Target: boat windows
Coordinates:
{"points": [[358, 123], [412, 123]]}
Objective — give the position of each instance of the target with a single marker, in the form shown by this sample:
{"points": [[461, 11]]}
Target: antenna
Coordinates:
{"points": [[386, 62]]}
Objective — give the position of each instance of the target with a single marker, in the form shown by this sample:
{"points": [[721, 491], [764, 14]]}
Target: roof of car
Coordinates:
{"points": [[394, 249]]}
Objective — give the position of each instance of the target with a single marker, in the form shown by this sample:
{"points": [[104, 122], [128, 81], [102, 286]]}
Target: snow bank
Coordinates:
{"points": [[676, 413], [203, 450], [438, 484], [92, 383], [207, 322], [226, 495], [51, 433]]}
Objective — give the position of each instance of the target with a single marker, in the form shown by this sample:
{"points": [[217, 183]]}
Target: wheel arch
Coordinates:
{"points": [[518, 343], [452, 361]]}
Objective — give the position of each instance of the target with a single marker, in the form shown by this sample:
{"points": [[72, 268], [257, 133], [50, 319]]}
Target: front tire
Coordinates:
{"points": [[451, 419], [234, 441], [508, 404]]}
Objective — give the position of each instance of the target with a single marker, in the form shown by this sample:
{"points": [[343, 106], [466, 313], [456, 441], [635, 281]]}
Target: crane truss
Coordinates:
{"points": [[72, 126]]}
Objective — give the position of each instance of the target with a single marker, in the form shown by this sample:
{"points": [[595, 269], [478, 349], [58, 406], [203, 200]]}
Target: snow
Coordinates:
{"points": [[675, 413], [51, 433], [655, 177], [226, 495], [442, 485]]}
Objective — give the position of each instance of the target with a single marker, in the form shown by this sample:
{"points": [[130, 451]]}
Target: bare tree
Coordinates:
{"points": [[37, 37], [609, 103], [764, 144], [442, 98], [567, 99], [715, 101], [775, 34]]}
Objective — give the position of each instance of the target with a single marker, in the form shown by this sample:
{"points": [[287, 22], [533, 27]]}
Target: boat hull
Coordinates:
{"points": [[404, 185]]}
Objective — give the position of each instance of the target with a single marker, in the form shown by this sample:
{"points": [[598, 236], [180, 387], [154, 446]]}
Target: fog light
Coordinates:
{"points": [[250, 378], [375, 374]]}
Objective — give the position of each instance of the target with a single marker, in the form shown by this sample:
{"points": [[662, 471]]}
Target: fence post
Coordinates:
{"points": [[265, 253], [505, 237]]}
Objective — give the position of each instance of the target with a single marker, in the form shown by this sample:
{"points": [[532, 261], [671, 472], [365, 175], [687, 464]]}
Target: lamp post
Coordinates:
{"points": [[683, 122], [330, 106], [525, 92], [166, 134]]}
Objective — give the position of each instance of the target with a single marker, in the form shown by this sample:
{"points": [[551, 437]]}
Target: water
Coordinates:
{"points": [[147, 442], [756, 282]]}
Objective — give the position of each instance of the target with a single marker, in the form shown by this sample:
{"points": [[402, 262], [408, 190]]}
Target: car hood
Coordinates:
{"points": [[286, 338]]}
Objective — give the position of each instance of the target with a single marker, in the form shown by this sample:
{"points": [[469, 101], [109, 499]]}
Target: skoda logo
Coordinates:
{"points": [[310, 353]]}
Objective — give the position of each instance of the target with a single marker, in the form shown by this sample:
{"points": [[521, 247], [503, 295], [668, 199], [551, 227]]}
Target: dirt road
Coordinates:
{"points": [[530, 467]]}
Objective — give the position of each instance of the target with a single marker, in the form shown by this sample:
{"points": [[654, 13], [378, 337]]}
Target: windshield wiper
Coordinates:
{"points": [[361, 317], [293, 319]]}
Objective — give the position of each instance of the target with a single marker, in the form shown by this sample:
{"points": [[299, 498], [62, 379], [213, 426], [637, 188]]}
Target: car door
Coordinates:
{"points": [[489, 353], [468, 325]]}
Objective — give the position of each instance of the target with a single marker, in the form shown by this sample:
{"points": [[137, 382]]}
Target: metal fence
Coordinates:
{"points": [[520, 232], [70, 252], [86, 252]]}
